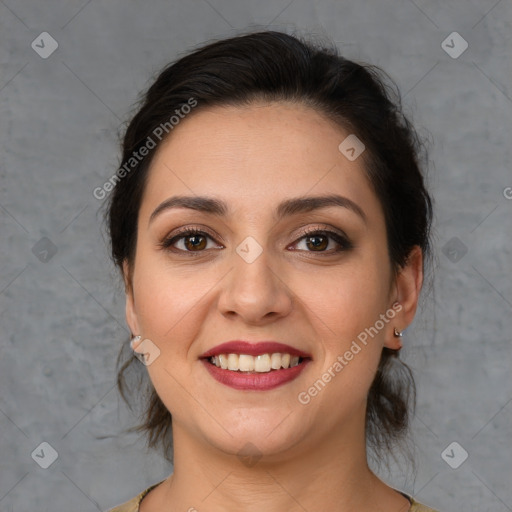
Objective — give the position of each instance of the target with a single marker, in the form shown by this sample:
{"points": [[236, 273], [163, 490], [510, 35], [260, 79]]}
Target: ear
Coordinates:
{"points": [[408, 283], [131, 314]]}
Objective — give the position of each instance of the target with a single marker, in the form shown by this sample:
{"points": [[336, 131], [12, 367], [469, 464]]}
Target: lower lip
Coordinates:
{"points": [[255, 381]]}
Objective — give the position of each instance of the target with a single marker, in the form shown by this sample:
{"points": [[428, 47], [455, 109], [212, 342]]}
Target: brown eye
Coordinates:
{"points": [[189, 241], [194, 242], [317, 242], [323, 241]]}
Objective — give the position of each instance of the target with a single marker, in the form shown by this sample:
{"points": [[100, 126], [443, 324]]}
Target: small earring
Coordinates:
{"points": [[397, 333], [133, 341]]}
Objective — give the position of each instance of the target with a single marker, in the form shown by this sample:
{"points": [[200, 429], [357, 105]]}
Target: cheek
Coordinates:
{"points": [[346, 308], [170, 313], [168, 303], [348, 298]]}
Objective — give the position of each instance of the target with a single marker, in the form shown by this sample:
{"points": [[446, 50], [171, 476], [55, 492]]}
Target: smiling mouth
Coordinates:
{"points": [[263, 363]]}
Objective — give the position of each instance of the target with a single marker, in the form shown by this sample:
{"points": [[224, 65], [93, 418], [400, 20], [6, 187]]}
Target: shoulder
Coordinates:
{"points": [[129, 506], [133, 504], [415, 505], [418, 507]]}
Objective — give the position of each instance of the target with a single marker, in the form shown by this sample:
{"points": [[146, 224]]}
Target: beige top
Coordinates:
{"points": [[133, 504]]}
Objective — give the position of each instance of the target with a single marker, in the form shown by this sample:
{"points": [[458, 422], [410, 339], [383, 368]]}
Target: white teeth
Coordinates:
{"points": [[275, 361], [223, 360], [247, 363], [233, 362], [262, 363]]}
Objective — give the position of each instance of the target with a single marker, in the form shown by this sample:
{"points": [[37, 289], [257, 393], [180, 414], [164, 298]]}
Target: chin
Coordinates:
{"points": [[265, 436]]}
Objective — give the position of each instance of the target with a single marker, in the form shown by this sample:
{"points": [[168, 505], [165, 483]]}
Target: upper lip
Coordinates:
{"points": [[253, 349]]}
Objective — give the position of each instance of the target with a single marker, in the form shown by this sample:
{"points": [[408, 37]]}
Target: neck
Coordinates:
{"points": [[331, 475]]}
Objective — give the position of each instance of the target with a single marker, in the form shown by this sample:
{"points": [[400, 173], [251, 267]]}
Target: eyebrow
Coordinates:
{"points": [[287, 208]]}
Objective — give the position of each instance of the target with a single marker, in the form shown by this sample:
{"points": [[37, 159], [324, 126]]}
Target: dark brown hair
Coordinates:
{"points": [[273, 66]]}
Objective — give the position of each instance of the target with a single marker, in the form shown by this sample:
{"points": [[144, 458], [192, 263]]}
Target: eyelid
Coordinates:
{"points": [[169, 241], [330, 231], [195, 228], [307, 230]]}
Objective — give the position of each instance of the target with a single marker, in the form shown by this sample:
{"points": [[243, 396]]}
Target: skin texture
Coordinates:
{"points": [[313, 456]]}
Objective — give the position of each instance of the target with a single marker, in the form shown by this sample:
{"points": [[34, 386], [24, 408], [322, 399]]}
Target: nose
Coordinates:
{"points": [[255, 292]]}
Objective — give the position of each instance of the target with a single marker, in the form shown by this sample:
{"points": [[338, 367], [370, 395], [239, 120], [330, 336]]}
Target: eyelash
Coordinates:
{"points": [[341, 240]]}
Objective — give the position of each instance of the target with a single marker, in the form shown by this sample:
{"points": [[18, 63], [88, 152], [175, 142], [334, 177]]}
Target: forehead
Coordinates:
{"points": [[253, 156]]}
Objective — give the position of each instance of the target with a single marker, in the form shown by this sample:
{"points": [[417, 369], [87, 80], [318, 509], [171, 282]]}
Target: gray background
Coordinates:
{"points": [[62, 318]]}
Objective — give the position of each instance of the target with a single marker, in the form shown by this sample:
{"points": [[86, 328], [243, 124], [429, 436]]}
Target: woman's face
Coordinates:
{"points": [[254, 274]]}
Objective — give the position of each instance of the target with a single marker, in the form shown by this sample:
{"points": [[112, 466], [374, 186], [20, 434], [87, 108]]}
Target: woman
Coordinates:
{"points": [[271, 223]]}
